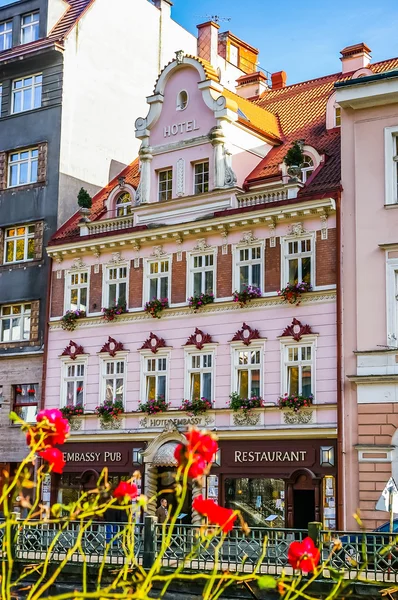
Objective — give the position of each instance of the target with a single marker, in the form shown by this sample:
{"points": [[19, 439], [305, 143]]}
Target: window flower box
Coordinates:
{"points": [[246, 405], [70, 318], [293, 291], [295, 402], [155, 307], [197, 406], [196, 302], [248, 293], [109, 413], [154, 405], [112, 312]]}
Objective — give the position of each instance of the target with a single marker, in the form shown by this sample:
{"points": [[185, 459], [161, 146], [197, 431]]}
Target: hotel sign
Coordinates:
{"points": [[185, 421], [183, 127]]}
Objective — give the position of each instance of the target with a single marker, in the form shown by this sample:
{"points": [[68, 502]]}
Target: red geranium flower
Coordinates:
{"points": [[303, 555], [58, 427], [126, 489], [55, 458], [217, 515], [199, 450]]}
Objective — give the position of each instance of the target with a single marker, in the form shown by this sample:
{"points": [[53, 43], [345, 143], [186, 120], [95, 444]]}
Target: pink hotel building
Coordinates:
{"points": [[210, 206]]}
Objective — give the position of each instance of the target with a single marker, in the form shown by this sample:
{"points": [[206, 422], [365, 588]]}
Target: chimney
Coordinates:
{"points": [[164, 6], [355, 57], [278, 80], [208, 41], [251, 85]]}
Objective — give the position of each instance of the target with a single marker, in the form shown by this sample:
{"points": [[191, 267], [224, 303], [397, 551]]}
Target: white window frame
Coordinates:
{"points": [[32, 87], [30, 160], [189, 353], [25, 237], [392, 300], [127, 207], [6, 34], [289, 342], [35, 20], [236, 348], [69, 286], [285, 257], [82, 359], [181, 105], [24, 314], [306, 172], [198, 188], [337, 115], [169, 186], [148, 277], [191, 270], [391, 176], [106, 282], [149, 355], [105, 358], [238, 263]]}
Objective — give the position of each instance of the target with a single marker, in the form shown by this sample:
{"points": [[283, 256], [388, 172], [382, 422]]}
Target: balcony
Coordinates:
{"points": [[106, 225]]}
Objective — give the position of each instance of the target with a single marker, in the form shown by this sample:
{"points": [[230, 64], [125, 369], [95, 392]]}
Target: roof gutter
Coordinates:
{"points": [[28, 52], [368, 79]]}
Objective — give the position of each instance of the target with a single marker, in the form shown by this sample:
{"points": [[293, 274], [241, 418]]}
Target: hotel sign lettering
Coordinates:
{"points": [[183, 127], [270, 456]]}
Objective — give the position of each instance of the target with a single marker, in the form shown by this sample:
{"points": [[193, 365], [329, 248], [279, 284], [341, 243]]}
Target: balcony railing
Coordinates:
{"points": [[263, 198], [116, 224]]}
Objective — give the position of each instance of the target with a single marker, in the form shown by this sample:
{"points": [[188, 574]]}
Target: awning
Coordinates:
{"points": [[164, 456]]}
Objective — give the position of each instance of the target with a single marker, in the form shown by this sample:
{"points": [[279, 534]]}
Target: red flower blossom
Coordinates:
{"points": [[217, 515], [303, 555], [55, 458], [199, 450], [58, 430], [126, 489]]}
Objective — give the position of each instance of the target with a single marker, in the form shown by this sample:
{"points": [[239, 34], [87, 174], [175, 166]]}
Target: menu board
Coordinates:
{"points": [[329, 502], [212, 487]]}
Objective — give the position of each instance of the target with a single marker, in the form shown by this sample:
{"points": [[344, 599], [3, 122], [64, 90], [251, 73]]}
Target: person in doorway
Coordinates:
{"points": [[162, 512]]}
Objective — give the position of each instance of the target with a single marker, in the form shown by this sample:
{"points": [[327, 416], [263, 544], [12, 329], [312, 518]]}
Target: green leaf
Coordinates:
{"points": [[266, 582]]}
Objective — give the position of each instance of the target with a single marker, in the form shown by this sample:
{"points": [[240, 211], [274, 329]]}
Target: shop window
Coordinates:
{"points": [[77, 291], [74, 383], [165, 179], [261, 500], [15, 322], [115, 286], [158, 279], [249, 267], [200, 375], [155, 377], [248, 370], [299, 369], [123, 205], [202, 274], [298, 261], [26, 401], [113, 374], [201, 177], [19, 243]]}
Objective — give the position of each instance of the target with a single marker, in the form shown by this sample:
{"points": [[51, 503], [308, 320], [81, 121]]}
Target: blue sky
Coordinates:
{"points": [[302, 38]]}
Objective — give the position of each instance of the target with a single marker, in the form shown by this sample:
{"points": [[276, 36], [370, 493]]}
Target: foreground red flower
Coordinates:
{"points": [[126, 489], [54, 427], [303, 555], [217, 515], [55, 458], [200, 450]]}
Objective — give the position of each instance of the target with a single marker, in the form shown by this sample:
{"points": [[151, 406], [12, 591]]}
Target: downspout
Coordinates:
{"points": [[46, 329], [160, 38], [340, 382]]}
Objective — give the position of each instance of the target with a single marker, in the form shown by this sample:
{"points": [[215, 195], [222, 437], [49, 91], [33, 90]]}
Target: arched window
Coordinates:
{"points": [[306, 168], [123, 205], [182, 100]]}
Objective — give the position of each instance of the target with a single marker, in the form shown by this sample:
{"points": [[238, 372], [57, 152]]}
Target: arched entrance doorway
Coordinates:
{"points": [[303, 499]]}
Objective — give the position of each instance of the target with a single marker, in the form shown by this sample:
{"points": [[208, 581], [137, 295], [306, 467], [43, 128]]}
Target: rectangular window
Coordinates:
{"points": [[250, 266], [299, 369], [26, 93], [78, 291], [165, 185], [200, 374], [201, 175], [30, 28], [74, 384], [299, 260], [22, 167], [337, 116], [15, 322], [203, 269], [19, 243], [113, 378], [155, 373], [116, 286], [248, 372], [26, 401], [5, 35], [158, 279]]}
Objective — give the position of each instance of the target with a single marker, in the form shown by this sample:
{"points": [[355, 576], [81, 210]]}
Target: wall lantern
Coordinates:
{"points": [[327, 456], [217, 459], [137, 456]]}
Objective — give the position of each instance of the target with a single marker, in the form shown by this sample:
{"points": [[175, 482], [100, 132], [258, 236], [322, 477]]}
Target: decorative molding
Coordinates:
{"points": [[272, 239], [78, 264], [136, 246], [158, 251], [246, 335], [248, 238], [112, 346], [301, 417], [153, 343], [96, 251], [297, 229], [250, 419], [201, 245], [76, 424], [137, 262], [179, 56], [199, 339], [115, 423], [116, 259], [296, 330], [59, 274], [57, 257], [73, 350], [324, 228], [180, 177], [96, 268]]}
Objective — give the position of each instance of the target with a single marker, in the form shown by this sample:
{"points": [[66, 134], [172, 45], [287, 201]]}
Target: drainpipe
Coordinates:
{"points": [[340, 379], [46, 329]]}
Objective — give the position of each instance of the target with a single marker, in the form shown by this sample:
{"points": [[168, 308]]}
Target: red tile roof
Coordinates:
{"points": [[301, 110], [57, 34], [70, 229]]}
